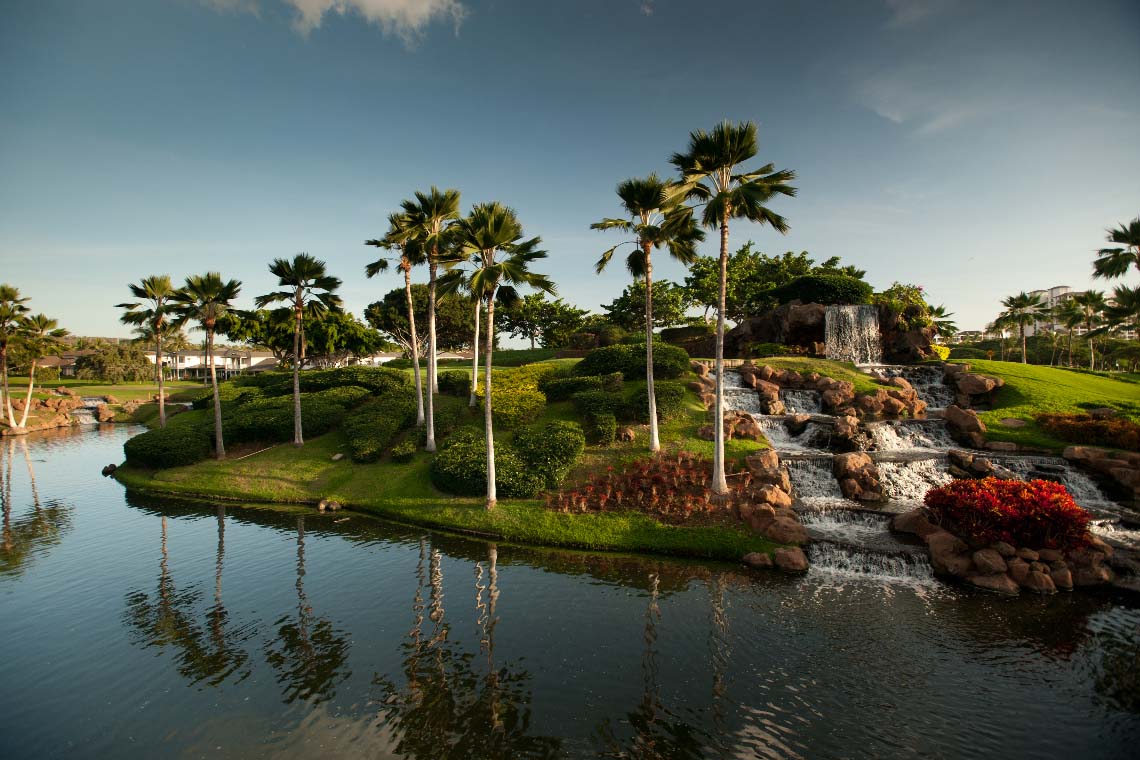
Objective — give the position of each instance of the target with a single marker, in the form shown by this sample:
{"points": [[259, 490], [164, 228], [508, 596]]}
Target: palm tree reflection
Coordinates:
{"points": [[24, 536], [448, 708], [309, 654]]}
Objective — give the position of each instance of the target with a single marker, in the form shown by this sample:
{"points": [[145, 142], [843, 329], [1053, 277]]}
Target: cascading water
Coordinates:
{"points": [[802, 401], [738, 396], [814, 438], [905, 483], [922, 435], [813, 482], [909, 568], [928, 381], [851, 334]]}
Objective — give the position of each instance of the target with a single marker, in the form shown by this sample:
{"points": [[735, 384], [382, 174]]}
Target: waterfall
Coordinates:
{"points": [[802, 401], [908, 482], [738, 396], [913, 568], [852, 334], [928, 381], [926, 435], [813, 481], [815, 437], [844, 525], [1084, 489]]}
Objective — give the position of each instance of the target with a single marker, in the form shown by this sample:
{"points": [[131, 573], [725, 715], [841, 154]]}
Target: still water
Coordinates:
{"points": [[139, 627]]}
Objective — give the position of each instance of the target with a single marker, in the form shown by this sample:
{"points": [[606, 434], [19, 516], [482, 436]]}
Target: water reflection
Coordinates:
{"points": [[208, 654], [25, 535], [309, 653]]}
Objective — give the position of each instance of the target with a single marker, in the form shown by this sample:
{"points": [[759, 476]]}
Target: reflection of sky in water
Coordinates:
{"points": [[263, 634]]}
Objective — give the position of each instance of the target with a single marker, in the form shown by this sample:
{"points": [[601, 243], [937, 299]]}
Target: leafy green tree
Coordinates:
{"points": [[401, 237], [12, 311], [560, 320], [1091, 305], [627, 311], [710, 175], [491, 236], [205, 299], [331, 337], [1115, 262], [1069, 314], [536, 319], [114, 363], [455, 319], [39, 337], [155, 311], [309, 288], [1021, 310]]}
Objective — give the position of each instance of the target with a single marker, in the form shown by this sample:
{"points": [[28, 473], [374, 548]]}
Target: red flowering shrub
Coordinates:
{"points": [[1037, 513]]}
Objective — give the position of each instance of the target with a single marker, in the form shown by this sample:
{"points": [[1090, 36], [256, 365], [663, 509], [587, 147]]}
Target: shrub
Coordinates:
{"points": [[1117, 432], [629, 359], [564, 388], [173, 446], [600, 429], [825, 289], [376, 379], [455, 383], [371, 427], [226, 392], [758, 350], [686, 333], [1038, 513], [942, 352], [265, 380], [551, 448], [347, 396], [519, 357], [449, 414], [269, 420], [968, 352], [460, 467], [587, 403], [670, 400], [404, 451], [512, 407], [46, 375]]}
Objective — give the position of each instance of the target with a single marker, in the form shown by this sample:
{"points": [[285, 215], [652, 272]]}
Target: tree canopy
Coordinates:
{"points": [[533, 318], [454, 318], [670, 301]]}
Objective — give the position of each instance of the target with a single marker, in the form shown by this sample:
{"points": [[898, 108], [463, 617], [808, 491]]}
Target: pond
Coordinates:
{"points": [[139, 627]]}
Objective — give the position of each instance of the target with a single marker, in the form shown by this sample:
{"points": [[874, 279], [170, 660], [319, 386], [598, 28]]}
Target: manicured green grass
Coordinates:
{"points": [[1032, 389], [403, 492], [121, 391]]}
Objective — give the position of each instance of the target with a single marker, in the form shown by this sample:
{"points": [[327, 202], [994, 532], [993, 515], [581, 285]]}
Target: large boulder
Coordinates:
{"points": [[1001, 583], [791, 559], [963, 421]]}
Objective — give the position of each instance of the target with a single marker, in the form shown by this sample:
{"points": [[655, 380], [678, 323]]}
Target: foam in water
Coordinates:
{"points": [[926, 436], [738, 396], [908, 482], [812, 480], [929, 382], [1084, 489], [845, 525], [852, 334], [853, 562], [802, 401], [814, 438]]}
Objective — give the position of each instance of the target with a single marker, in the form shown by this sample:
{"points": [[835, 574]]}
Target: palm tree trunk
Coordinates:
{"points": [[219, 445], [406, 266], [161, 382], [475, 357], [28, 398], [654, 439], [298, 440], [433, 380], [719, 482], [1092, 350], [1021, 328], [1070, 347], [11, 417], [491, 494]]}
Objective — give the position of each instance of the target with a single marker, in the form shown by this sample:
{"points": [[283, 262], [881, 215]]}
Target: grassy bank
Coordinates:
{"points": [[1031, 390], [121, 391], [403, 492]]}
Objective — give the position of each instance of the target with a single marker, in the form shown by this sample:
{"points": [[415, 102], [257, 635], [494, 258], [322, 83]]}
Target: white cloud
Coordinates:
{"points": [[405, 19], [923, 103]]}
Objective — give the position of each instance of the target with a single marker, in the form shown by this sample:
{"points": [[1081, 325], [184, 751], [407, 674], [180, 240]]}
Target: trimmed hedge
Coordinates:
{"points": [[594, 403], [460, 468], [173, 446], [564, 388], [825, 289], [551, 448], [670, 400], [600, 429], [371, 427], [404, 451], [227, 392], [513, 407], [376, 379], [455, 383], [270, 420], [629, 359]]}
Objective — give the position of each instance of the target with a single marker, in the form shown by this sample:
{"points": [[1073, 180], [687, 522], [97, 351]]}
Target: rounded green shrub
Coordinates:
{"points": [[600, 429], [460, 468], [376, 379], [670, 400], [404, 451], [588, 403], [371, 427], [512, 407], [825, 289], [455, 383], [271, 419], [564, 388], [347, 396], [174, 446], [629, 359], [551, 448]]}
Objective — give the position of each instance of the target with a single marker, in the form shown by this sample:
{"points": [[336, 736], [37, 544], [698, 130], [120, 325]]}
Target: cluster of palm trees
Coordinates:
{"points": [[1092, 310], [485, 254], [34, 335]]}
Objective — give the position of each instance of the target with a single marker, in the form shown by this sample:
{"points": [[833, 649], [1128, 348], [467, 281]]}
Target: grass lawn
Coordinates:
{"points": [[121, 391], [1032, 389]]}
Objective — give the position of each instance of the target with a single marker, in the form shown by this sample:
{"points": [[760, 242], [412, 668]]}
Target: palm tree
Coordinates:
{"points": [[1091, 305], [430, 216], [1021, 310], [12, 311], [1069, 315], [153, 311], [310, 289], [942, 322], [1125, 308], [206, 298], [709, 176], [1115, 262], [400, 237], [658, 219], [39, 337], [488, 230], [458, 280]]}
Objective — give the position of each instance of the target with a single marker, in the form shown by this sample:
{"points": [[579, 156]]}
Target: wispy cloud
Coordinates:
{"points": [[904, 13], [406, 19], [923, 103]]}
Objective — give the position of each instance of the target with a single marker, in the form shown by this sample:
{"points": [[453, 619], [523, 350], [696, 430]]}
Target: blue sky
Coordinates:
{"points": [[975, 148]]}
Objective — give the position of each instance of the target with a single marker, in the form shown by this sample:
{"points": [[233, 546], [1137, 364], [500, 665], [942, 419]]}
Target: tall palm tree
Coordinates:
{"points": [[941, 320], [12, 311], [709, 175], [658, 219], [39, 336], [155, 311], [458, 280], [401, 237], [1091, 305], [489, 230], [431, 215], [1068, 314], [1125, 308], [206, 298], [310, 288], [1115, 262], [1021, 310]]}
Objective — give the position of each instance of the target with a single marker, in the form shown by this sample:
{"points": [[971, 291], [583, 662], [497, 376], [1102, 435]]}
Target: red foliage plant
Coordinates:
{"points": [[1038, 513]]}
